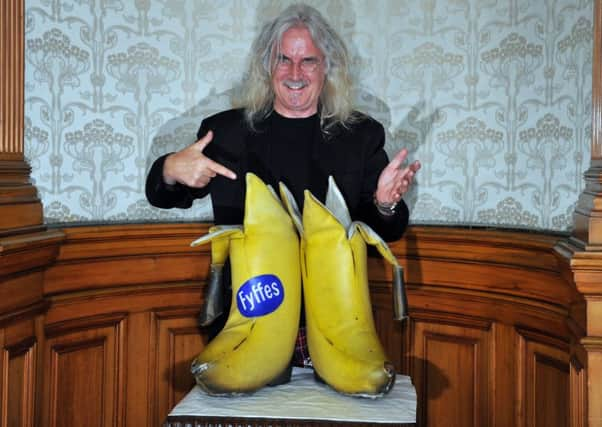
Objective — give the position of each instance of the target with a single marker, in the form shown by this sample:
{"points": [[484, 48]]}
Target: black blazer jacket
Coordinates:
{"points": [[354, 156]]}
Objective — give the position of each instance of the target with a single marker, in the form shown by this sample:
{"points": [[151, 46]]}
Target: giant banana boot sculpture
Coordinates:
{"points": [[257, 342], [343, 344]]}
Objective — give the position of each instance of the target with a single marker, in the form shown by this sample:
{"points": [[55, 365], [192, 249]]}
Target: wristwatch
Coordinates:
{"points": [[385, 209]]}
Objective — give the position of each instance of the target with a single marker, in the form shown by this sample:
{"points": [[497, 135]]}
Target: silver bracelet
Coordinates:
{"points": [[384, 209]]}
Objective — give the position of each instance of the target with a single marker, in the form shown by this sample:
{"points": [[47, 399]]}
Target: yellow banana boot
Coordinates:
{"points": [[257, 342], [343, 344]]}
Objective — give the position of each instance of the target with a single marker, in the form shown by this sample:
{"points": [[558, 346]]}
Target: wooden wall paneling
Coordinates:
{"points": [[577, 358], [578, 393], [18, 368], [119, 256], [496, 307], [40, 369], [476, 309], [19, 347], [130, 299], [392, 333], [583, 269], [84, 379], [503, 362], [19, 365], [23, 258], [593, 347], [530, 250], [150, 310], [450, 370], [139, 378], [543, 380], [176, 340]]}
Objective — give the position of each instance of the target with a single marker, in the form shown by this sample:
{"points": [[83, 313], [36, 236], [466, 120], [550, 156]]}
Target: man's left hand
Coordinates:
{"points": [[393, 181]]}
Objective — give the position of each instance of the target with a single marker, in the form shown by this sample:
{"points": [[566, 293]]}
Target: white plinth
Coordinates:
{"points": [[304, 399]]}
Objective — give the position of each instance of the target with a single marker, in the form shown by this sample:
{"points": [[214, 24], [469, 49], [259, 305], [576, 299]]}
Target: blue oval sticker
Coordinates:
{"points": [[260, 295]]}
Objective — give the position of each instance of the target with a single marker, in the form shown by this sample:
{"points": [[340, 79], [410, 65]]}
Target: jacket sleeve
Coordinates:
{"points": [[162, 195], [390, 228]]}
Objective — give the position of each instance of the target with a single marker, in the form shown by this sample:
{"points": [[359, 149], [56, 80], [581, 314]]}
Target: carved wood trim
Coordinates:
{"points": [[544, 338], [121, 256], [592, 343], [463, 365], [20, 253], [451, 319], [18, 401], [84, 323], [104, 334], [22, 313], [12, 79], [539, 350], [166, 326], [578, 404]]}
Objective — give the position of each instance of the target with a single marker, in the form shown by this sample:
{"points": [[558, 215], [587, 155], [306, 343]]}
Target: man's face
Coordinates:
{"points": [[298, 75]]}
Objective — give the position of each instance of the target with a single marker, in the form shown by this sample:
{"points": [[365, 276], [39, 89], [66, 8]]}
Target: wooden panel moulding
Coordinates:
{"points": [[95, 242], [101, 257], [20, 253], [18, 384], [531, 250], [521, 264], [130, 299], [543, 381], [23, 258], [450, 369], [578, 393], [84, 373], [107, 273], [176, 338], [19, 294], [150, 275], [473, 308], [24, 313], [494, 262], [18, 361]]}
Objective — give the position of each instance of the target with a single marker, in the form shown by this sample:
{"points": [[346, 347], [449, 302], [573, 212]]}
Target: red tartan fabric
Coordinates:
{"points": [[301, 357]]}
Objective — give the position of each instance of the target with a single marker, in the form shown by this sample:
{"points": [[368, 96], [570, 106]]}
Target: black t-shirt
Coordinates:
{"points": [[284, 153]]}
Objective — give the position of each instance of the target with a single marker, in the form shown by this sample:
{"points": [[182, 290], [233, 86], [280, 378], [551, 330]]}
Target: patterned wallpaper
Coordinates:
{"points": [[493, 96]]}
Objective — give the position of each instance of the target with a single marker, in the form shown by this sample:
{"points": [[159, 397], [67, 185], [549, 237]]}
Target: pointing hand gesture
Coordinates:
{"points": [[191, 167]]}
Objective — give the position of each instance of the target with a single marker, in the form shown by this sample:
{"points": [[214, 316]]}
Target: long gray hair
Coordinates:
{"points": [[336, 99]]}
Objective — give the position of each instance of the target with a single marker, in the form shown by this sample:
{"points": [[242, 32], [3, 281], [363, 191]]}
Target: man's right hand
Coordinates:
{"points": [[191, 167]]}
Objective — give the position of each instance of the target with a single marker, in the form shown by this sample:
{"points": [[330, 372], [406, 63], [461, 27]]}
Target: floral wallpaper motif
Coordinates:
{"points": [[493, 96]]}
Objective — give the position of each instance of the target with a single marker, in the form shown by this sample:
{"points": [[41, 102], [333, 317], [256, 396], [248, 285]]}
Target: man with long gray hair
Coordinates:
{"points": [[296, 125]]}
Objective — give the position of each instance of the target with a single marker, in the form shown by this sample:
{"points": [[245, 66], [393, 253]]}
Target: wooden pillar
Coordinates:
{"points": [[582, 254], [20, 208]]}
